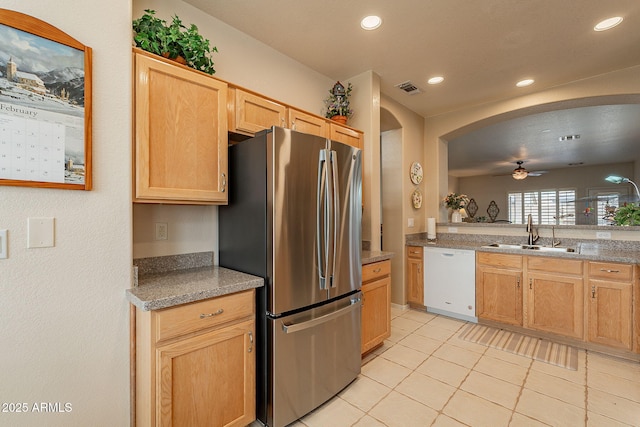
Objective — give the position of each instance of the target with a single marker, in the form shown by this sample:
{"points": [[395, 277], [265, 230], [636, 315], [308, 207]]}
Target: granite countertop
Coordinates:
{"points": [[168, 289], [369, 257], [602, 254]]}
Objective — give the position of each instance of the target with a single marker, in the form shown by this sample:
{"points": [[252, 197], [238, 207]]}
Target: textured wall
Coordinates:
{"points": [[63, 314]]}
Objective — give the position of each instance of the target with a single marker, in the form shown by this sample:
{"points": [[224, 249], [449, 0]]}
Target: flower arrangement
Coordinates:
{"points": [[456, 201], [337, 103]]}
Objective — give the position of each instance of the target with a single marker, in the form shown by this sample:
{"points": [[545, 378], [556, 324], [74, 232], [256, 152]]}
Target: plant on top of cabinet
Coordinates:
{"points": [[337, 103], [174, 41]]}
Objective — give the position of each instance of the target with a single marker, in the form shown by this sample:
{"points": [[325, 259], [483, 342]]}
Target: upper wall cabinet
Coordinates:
{"points": [[347, 135], [250, 113], [307, 123], [180, 134]]}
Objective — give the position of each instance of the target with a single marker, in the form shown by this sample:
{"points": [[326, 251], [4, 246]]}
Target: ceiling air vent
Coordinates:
{"points": [[409, 87]]}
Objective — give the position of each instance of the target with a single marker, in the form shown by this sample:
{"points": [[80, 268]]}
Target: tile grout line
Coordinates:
{"points": [[524, 381], [586, 388]]}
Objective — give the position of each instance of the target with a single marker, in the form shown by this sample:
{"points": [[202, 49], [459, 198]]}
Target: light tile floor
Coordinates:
{"points": [[425, 375]]}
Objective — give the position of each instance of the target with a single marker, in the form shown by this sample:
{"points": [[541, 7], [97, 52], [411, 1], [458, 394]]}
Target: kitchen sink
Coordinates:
{"points": [[530, 247]]}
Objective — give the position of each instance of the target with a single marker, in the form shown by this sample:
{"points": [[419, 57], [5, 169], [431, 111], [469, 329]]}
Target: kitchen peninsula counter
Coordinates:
{"points": [[625, 252]]}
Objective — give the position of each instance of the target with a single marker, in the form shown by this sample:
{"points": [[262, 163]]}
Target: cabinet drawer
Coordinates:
{"points": [[610, 271], [555, 265], [414, 251], [375, 270], [184, 319], [499, 260]]}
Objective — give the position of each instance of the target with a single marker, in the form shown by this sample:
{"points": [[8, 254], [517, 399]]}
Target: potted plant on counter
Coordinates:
{"points": [[627, 214], [174, 41], [337, 103]]}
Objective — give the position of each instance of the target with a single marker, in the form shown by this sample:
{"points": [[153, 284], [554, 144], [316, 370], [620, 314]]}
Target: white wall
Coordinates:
{"points": [[63, 314], [243, 61]]}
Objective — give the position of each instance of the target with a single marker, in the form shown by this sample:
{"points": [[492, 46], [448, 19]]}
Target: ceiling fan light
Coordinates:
{"points": [[519, 173]]}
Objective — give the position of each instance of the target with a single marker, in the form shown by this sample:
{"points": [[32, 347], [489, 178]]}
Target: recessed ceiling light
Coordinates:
{"points": [[435, 80], [370, 22], [526, 82], [607, 24]]}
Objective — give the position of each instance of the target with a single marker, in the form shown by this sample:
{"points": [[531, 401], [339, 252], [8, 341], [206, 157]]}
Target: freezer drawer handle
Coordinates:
{"points": [[205, 315], [296, 327]]}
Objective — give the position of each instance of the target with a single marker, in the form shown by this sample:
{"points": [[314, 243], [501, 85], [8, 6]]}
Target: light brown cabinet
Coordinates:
{"points": [[583, 300], [555, 296], [307, 123], [415, 276], [180, 135], [609, 299], [195, 363], [499, 287], [347, 135], [376, 304], [250, 113]]}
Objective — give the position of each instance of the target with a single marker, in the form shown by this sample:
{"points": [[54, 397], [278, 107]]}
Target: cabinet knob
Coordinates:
{"points": [[206, 315], [518, 283]]}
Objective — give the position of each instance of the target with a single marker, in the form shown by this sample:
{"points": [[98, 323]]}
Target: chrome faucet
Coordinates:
{"points": [[533, 235], [554, 242]]}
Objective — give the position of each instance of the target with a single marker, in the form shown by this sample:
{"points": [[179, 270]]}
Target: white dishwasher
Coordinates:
{"points": [[450, 282]]}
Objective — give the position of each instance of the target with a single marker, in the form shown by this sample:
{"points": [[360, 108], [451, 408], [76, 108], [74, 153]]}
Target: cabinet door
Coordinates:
{"points": [[555, 304], [610, 308], [180, 134], [499, 295], [306, 123], [252, 113], [376, 313], [415, 279], [346, 135], [208, 380]]}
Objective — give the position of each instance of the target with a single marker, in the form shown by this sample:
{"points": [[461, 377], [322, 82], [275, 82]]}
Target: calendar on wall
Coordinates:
{"points": [[45, 105]]}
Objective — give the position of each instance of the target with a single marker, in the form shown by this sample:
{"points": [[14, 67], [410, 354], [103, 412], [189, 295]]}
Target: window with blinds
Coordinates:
{"points": [[554, 207]]}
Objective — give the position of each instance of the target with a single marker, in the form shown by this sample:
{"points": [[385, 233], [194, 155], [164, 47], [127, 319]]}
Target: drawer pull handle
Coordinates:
{"points": [[609, 271], [377, 270], [205, 315], [250, 342], [224, 183], [593, 292]]}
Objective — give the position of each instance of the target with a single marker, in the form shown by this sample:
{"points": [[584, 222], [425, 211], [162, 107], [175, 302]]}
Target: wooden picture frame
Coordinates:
{"points": [[45, 105]]}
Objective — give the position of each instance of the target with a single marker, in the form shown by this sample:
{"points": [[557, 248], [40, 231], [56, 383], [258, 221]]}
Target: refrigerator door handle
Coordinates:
{"points": [[322, 248], [296, 327], [334, 214]]}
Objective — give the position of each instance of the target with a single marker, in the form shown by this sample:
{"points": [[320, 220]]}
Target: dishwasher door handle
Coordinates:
{"points": [[447, 254]]}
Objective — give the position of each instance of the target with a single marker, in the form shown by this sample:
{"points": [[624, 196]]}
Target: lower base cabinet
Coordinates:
{"points": [[195, 364], [376, 304], [586, 301]]}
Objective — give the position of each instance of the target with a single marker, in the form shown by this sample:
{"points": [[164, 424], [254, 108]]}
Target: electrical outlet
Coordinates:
{"points": [[603, 235], [410, 222], [452, 229], [162, 231]]}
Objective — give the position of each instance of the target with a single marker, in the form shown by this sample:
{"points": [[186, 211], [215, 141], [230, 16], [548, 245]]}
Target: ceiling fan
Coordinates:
{"points": [[521, 173]]}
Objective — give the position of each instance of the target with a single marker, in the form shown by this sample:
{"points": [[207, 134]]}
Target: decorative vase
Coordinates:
{"points": [[340, 119], [456, 216]]}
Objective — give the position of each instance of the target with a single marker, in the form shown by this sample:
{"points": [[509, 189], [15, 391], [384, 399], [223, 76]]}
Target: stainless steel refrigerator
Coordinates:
{"points": [[294, 218]]}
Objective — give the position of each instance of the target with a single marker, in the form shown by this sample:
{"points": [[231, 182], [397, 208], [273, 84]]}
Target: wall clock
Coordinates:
{"points": [[416, 173]]}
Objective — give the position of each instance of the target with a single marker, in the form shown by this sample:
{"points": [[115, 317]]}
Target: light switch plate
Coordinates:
{"points": [[40, 233], [3, 244]]}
